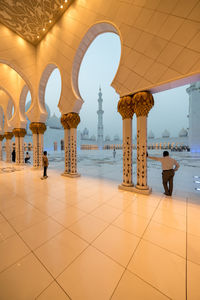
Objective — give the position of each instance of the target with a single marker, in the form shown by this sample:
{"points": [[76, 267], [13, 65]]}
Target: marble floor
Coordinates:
{"points": [[82, 238]]}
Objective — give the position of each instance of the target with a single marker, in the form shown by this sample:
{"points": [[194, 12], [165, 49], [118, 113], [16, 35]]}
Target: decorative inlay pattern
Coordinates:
{"points": [[19, 132], [28, 18], [126, 107], [63, 121], [143, 102], [37, 127], [8, 135], [73, 119]]}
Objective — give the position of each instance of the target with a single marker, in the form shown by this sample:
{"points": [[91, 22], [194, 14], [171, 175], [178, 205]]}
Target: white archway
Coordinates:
{"points": [[92, 33]]}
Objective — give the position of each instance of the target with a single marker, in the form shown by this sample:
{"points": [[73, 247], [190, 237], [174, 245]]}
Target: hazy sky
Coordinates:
{"points": [[98, 68]]}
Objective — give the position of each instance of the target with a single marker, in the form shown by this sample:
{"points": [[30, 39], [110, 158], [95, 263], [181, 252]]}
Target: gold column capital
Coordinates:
{"points": [[73, 119], [37, 127], [126, 107], [1, 137], [8, 135], [63, 121], [143, 103], [19, 132]]}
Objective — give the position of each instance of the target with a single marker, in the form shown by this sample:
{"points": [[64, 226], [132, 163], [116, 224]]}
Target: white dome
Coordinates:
{"points": [[54, 122], [166, 134], [183, 132], [151, 135]]}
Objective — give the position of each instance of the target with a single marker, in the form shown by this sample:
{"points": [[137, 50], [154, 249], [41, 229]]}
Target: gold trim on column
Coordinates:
{"points": [[143, 103], [126, 107], [37, 127], [63, 121], [1, 137], [73, 119], [19, 132], [8, 135]]}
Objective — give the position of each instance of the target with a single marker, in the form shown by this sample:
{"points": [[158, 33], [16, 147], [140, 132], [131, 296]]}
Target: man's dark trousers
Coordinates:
{"points": [[167, 177]]}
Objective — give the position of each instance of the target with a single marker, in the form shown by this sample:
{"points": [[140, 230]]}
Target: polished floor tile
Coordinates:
{"points": [[68, 216], [132, 223], [66, 238], [160, 268], [60, 251], [6, 230], [24, 280], [92, 276], [193, 275], [53, 292], [167, 237], [132, 287], [107, 213], [11, 250], [193, 248], [117, 244], [88, 227], [40, 233]]}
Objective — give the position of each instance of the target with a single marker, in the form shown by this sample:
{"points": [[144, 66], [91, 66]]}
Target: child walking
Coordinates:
{"points": [[45, 164]]}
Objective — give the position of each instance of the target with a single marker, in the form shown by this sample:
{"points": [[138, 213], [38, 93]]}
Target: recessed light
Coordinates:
{"points": [[43, 29], [197, 181], [61, 6], [50, 21], [65, 1], [38, 36]]}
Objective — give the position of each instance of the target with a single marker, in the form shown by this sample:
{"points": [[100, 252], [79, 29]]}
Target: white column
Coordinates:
{"points": [[67, 151], [141, 153], [194, 116], [127, 152], [73, 152], [38, 130], [8, 150], [40, 148], [35, 150], [19, 149]]}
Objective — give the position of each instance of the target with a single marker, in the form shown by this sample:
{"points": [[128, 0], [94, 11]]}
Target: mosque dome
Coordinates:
{"points": [[183, 132], [54, 122], [151, 135], [116, 137], [27, 106], [107, 138], [166, 134]]}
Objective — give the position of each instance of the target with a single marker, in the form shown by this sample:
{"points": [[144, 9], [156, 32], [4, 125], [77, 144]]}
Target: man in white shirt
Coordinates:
{"points": [[168, 164]]}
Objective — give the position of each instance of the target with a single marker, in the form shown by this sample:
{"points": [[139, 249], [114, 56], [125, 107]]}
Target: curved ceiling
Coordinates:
{"points": [[32, 19]]}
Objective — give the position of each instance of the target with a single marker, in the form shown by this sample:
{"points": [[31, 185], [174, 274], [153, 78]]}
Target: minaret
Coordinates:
{"points": [[100, 121]]}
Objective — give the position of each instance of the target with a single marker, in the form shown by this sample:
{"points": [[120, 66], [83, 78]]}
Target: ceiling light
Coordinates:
{"points": [[50, 21], [197, 181], [65, 1], [198, 189], [196, 177], [43, 29], [61, 6], [38, 36]]}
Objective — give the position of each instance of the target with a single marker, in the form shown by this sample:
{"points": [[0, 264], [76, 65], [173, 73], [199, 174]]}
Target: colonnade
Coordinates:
{"points": [[139, 103]]}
